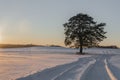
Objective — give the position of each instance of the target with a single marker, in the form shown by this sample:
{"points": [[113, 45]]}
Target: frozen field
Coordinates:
{"points": [[53, 63], [20, 62]]}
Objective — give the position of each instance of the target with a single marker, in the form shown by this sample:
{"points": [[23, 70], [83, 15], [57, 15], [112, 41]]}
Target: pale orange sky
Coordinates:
{"points": [[41, 22]]}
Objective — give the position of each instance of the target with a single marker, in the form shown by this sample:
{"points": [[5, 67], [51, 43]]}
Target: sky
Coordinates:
{"points": [[41, 21]]}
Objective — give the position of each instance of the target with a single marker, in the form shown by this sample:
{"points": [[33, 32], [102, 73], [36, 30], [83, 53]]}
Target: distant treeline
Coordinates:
{"points": [[24, 45], [32, 45], [55, 46], [16, 45], [114, 47]]}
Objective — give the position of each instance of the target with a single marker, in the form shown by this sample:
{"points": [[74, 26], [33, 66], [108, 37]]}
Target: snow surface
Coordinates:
{"points": [[115, 60], [20, 62], [17, 63], [71, 71]]}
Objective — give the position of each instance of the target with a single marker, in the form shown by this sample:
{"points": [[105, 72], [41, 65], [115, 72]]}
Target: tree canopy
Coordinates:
{"points": [[81, 30]]}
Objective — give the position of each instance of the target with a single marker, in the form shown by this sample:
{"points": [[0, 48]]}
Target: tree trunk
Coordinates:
{"points": [[81, 49], [81, 45]]}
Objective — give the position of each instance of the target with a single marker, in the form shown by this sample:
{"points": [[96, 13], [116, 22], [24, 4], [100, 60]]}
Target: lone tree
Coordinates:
{"points": [[81, 30]]}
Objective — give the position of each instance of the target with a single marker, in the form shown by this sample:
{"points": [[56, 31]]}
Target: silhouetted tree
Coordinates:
{"points": [[81, 30]]}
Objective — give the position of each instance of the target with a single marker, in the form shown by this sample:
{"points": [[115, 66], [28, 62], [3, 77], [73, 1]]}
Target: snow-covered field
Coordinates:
{"points": [[20, 62], [33, 63]]}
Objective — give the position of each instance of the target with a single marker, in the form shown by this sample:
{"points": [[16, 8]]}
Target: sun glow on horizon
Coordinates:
{"points": [[0, 38]]}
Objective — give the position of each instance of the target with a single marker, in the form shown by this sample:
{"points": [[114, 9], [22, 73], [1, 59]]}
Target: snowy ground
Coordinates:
{"points": [[52, 63], [20, 62]]}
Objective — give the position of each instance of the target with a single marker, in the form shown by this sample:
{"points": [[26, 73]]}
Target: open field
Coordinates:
{"points": [[53, 63]]}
